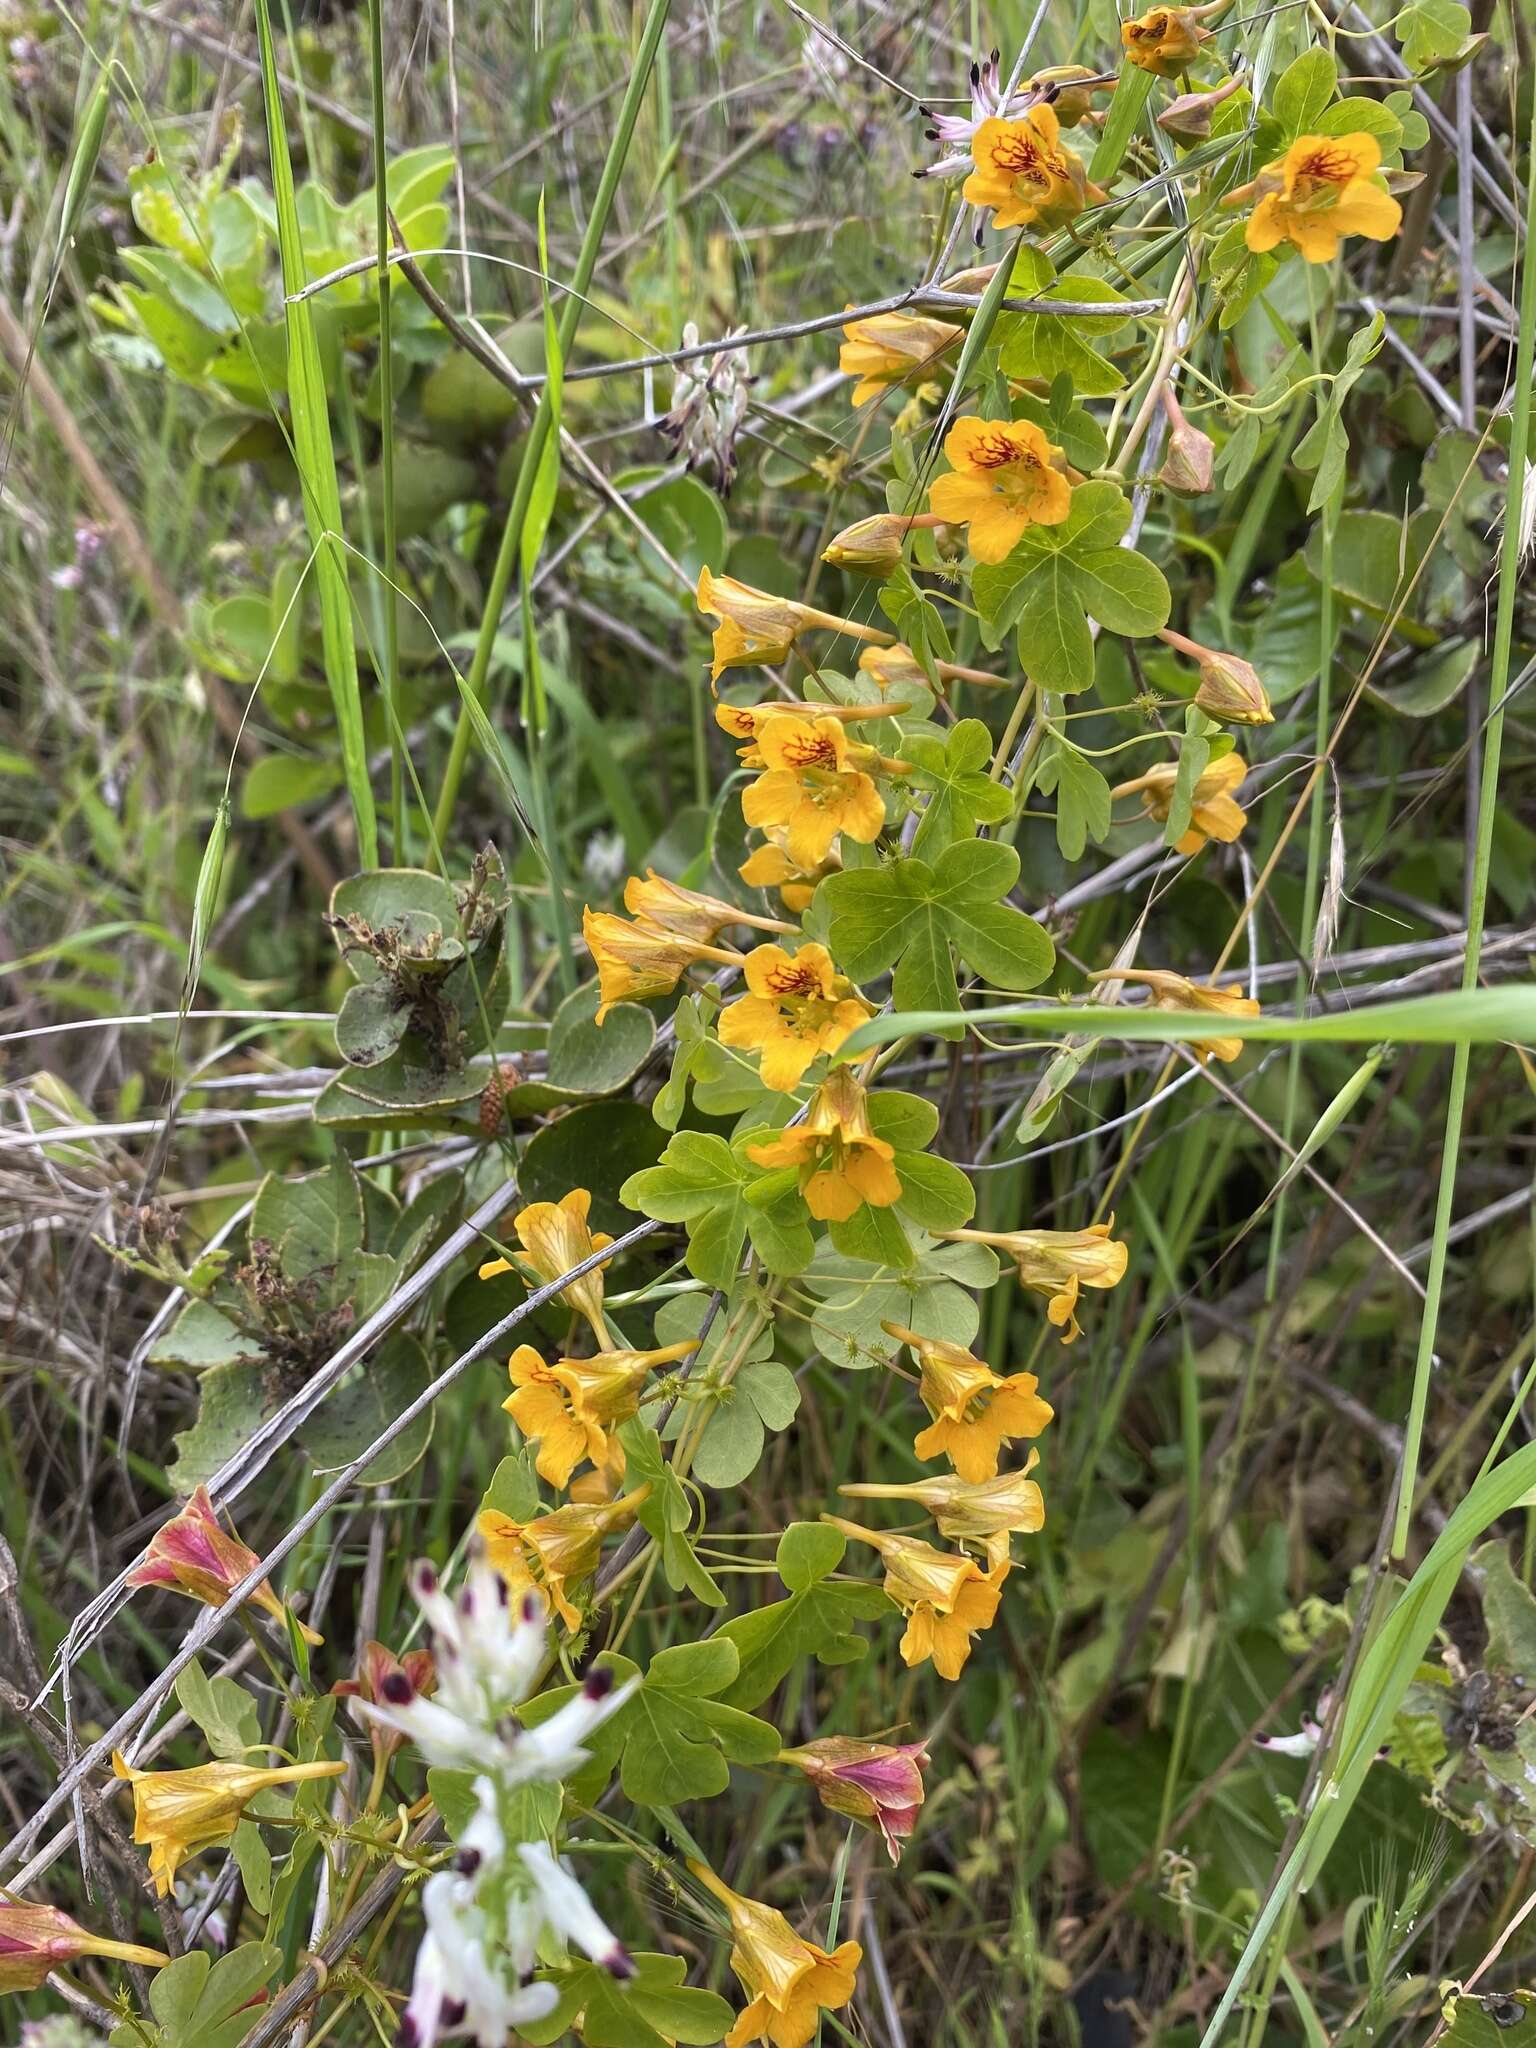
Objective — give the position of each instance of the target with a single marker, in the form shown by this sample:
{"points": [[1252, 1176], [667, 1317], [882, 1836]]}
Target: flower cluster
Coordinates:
{"points": [[493, 1914]]}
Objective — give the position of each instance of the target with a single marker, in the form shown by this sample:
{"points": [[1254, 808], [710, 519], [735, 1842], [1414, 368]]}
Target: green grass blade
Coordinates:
{"points": [[317, 462]]}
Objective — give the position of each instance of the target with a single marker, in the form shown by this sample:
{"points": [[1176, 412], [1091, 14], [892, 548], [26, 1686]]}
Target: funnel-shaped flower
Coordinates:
{"points": [[946, 1598], [984, 1511], [789, 1981], [194, 1554], [557, 1550], [569, 1407], [879, 1783], [755, 626], [1003, 480], [177, 1813], [638, 960], [975, 1410], [35, 1940], [1214, 814], [840, 1162], [888, 349], [555, 1238], [1058, 1263], [1173, 992]]}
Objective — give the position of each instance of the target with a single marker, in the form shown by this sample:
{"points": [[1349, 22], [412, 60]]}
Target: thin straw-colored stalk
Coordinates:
{"points": [[1477, 900], [317, 461], [543, 419]]}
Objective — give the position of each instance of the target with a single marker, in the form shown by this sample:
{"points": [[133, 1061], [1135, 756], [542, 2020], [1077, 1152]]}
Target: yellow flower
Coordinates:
{"points": [[892, 348], [1164, 40], [975, 1410], [554, 1237], [1023, 172], [797, 1006], [770, 867], [1071, 88], [1324, 188], [841, 1163], [946, 1598], [36, 1940], [985, 1511], [812, 787], [755, 626], [1058, 1263], [1214, 813], [557, 1549], [790, 1982], [743, 721], [568, 1408], [1002, 481], [177, 1813], [1173, 992], [639, 960], [1230, 689]]}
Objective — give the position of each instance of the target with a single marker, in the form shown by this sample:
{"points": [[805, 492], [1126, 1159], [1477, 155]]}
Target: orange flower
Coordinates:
{"points": [[789, 1981], [841, 1163], [568, 1408], [892, 348], [1214, 813], [1323, 189], [555, 1238], [946, 1598], [798, 1006], [1024, 174], [1164, 40], [814, 783], [1003, 480], [975, 1410], [194, 1554]]}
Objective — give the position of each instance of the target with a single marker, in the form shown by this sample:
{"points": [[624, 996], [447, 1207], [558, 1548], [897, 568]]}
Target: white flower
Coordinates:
{"points": [[709, 403]]}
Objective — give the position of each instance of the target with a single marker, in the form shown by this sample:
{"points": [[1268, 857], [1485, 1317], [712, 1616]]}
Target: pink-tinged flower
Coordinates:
{"points": [[35, 1940], [879, 1783], [955, 131], [194, 1554], [377, 1669]]}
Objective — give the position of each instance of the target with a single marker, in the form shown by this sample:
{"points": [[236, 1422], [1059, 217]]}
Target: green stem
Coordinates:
{"points": [[1487, 812], [538, 433]]}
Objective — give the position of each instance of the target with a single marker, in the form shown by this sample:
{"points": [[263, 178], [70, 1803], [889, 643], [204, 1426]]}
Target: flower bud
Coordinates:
{"points": [[1188, 464], [1230, 690], [35, 1940], [1189, 116], [872, 546]]}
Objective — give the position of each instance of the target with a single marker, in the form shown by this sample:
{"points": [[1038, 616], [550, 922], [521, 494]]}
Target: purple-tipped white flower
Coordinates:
{"points": [[709, 403], [567, 1909], [955, 130]]}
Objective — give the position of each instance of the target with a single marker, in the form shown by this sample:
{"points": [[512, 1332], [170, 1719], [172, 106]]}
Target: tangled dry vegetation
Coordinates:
{"points": [[765, 1161]]}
